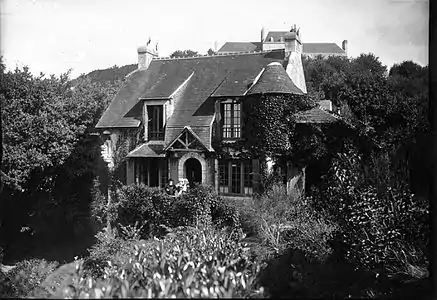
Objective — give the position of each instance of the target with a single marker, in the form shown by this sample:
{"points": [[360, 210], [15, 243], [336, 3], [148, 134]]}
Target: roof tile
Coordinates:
{"points": [[274, 79], [315, 115]]}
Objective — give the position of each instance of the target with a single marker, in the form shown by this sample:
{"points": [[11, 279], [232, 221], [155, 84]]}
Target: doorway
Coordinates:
{"points": [[193, 171]]}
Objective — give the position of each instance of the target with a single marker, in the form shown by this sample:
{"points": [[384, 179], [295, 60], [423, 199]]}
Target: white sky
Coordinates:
{"points": [[52, 36]]}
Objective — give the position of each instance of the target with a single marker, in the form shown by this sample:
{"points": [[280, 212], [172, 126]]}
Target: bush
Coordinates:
{"points": [[26, 278], [154, 210], [383, 232], [149, 207], [111, 247], [186, 263], [193, 208], [288, 221]]}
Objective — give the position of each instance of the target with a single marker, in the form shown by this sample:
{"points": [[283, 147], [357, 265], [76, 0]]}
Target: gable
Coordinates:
{"points": [[186, 140]]}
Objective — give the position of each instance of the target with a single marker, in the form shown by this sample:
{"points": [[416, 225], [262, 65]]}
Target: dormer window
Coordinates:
{"points": [[155, 122], [271, 39], [231, 120]]}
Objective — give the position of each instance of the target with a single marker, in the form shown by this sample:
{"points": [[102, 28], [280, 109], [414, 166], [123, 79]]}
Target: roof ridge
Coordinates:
{"points": [[218, 54]]}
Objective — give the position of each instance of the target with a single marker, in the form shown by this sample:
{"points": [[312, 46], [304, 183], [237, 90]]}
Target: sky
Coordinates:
{"points": [[53, 36]]}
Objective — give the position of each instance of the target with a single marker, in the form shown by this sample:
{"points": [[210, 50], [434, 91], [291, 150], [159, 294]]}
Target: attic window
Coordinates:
{"points": [[156, 123], [271, 39]]}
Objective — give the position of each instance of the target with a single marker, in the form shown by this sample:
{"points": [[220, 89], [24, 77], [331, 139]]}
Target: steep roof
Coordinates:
{"points": [[274, 79], [308, 48], [240, 47], [212, 76], [322, 48]]}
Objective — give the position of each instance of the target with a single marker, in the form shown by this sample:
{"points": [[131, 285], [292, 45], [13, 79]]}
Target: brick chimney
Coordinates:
{"points": [[145, 55]]}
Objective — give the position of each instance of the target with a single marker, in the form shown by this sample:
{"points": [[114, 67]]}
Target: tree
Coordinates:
{"points": [[184, 53], [211, 52], [50, 159], [392, 105]]}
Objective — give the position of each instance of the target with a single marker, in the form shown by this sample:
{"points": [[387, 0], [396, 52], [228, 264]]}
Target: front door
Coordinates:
{"points": [[193, 171]]}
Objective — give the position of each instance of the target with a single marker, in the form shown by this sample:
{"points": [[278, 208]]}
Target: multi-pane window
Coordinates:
{"points": [[231, 112], [156, 122], [235, 177], [152, 172]]}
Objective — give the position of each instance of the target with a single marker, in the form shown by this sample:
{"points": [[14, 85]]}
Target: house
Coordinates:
{"points": [[170, 112], [276, 40]]}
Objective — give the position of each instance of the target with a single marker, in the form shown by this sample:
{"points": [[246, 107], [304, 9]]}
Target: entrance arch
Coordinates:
{"points": [[193, 170], [182, 171]]}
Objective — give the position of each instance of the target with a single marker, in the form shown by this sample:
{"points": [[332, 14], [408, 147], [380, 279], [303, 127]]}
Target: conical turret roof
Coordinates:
{"points": [[274, 79]]}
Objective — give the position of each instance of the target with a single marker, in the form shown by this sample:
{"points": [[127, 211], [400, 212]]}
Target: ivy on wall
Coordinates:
{"points": [[268, 122]]}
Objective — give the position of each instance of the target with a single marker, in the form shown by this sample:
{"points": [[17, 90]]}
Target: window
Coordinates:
{"points": [[152, 172], [156, 124], [271, 39], [235, 177], [231, 113]]}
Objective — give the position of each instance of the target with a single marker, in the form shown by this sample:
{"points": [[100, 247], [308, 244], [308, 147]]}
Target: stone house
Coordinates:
{"points": [[170, 112], [276, 40]]}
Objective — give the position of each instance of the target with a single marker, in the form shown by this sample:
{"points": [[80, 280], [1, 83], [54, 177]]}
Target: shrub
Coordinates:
{"points": [[26, 278], [288, 221], [194, 207], [111, 247], [225, 213], [146, 206], [376, 227], [186, 263]]}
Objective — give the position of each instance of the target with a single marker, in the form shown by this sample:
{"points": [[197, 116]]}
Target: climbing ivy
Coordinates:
{"points": [[268, 122]]}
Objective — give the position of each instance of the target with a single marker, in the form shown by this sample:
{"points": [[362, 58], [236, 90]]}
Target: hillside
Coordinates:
{"points": [[110, 75]]}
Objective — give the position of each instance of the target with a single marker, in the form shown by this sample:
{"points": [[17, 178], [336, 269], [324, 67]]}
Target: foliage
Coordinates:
{"points": [[211, 52], [268, 122], [184, 53], [284, 221], [43, 120], [186, 263], [50, 158], [153, 209], [115, 74], [375, 225], [390, 107], [148, 206], [26, 278], [114, 246]]}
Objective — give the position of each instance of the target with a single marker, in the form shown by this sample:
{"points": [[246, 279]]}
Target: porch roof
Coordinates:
{"points": [[148, 150]]}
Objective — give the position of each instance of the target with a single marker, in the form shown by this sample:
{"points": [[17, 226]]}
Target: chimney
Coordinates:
{"points": [[293, 57], [292, 42], [145, 55], [344, 46], [262, 37]]}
